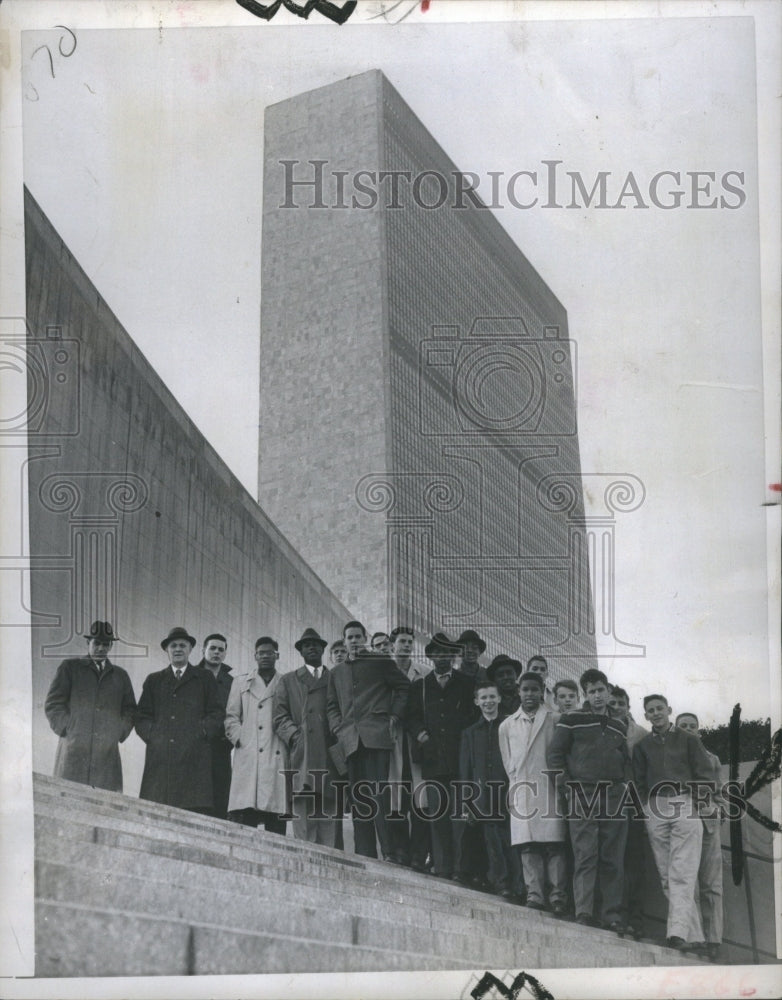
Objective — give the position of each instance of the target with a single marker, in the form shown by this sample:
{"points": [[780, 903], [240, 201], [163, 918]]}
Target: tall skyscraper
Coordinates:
{"points": [[418, 436]]}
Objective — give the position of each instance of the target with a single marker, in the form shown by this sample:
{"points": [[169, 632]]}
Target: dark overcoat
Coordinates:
{"points": [[444, 713], [178, 721], [480, 761], [221, 745], [92, 714], [301, 722], [362, 695]]}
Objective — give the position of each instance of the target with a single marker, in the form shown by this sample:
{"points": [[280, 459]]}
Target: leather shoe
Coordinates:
{"points": [[677, 943], [536, 906], [558, 909], [616, 927], [585, 920]]}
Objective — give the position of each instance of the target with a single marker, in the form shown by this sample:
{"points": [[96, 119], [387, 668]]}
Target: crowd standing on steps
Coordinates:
{"points": [[549, 796]]}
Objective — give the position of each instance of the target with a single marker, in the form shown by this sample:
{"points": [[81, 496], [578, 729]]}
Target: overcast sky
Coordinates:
{"points": [[145, 151]]}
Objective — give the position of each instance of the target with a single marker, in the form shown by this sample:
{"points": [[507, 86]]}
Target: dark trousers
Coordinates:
{"points": [[598, 854], [634, 882], [504, 867], [371, 766], [254, 817], [446, 832], [420, 840], [398, 828], [475, 862]]}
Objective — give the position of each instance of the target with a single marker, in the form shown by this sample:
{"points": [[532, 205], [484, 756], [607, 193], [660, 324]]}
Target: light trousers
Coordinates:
{"points": [[675, 835], [710, 880]]}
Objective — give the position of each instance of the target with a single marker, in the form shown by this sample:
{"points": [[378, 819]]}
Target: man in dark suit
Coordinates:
{"points": [[214, 650], [90, 706], [366, 701], [441, 706], [178, 716], [299, 719]]}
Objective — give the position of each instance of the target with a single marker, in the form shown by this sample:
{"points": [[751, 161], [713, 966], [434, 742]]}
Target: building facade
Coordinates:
{"points": [[425, 460]]}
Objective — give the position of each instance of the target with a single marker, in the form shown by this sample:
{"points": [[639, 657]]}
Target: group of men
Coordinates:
{"points": [[488, 776]]}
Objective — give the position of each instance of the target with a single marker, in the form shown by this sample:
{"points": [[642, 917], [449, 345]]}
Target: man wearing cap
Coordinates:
{"points": [[90, 706], [366, 702], [300, 720], [441, 706], [260, 758], [214, 649], [503, 671], [471, 647], [178, 716]]}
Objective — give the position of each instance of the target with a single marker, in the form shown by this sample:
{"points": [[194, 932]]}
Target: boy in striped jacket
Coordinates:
{"points": [[589, 750]]}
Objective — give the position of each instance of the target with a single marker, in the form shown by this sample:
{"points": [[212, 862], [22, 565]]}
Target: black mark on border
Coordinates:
{"points": [[489, 982], [333, 11]]}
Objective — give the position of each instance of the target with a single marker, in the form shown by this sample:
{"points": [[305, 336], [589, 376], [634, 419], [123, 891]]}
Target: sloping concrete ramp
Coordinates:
{"points": [[131, 888]]}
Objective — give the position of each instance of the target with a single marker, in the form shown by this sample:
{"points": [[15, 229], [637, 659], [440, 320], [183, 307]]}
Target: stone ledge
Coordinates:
{"points": [[126, 862], [259, 912], [132, 945]]}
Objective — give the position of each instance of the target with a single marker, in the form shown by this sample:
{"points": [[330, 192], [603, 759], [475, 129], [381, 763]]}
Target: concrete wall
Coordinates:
{"points": [[132, 515]]}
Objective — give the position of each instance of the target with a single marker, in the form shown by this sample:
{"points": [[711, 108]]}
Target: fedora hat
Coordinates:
{"points": [[102, 631], [470, 635], [500, 661], [440, 641], [177, 633], [309, 635]]}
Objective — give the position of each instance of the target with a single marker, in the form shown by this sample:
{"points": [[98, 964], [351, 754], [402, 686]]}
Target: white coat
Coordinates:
{"points": [[533, 806], [259, 754]]}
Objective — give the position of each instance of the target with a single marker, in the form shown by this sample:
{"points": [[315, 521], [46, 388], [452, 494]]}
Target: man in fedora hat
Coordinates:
{"points": [[471, 646], [504, 671], [441, 706], [90, 706], [178, 716], [300, 720], [215, 647]]}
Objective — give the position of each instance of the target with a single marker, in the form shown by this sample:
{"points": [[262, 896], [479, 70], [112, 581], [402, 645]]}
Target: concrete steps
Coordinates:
{"points": [[125, 887]]}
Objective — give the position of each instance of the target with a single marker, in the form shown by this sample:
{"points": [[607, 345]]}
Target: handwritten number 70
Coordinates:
{"points": [[63, 53]]}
